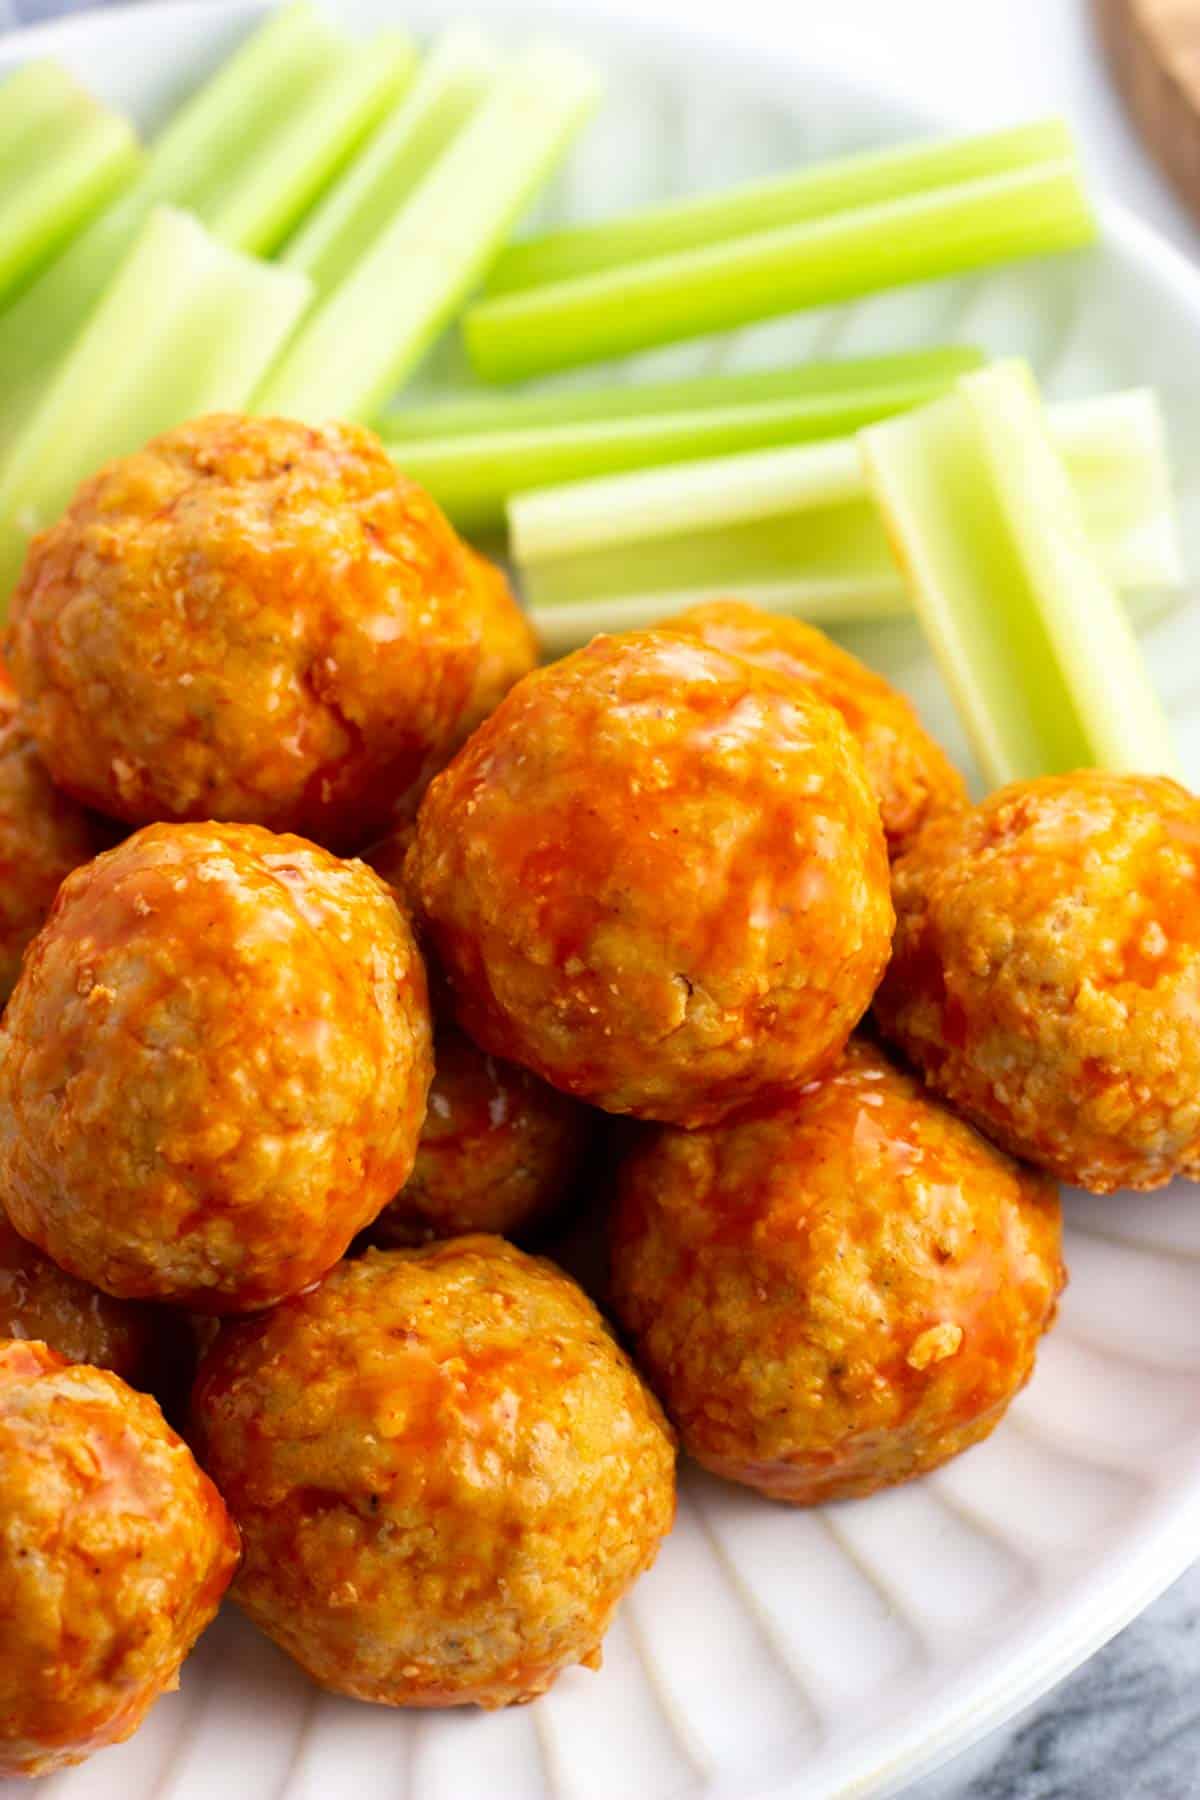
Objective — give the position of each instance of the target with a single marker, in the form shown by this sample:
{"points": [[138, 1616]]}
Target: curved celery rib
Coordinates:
{"points": [[616, 512], [919, 237], [310, 143], [214, 141], [866, 179], [208, 140], [561, 627], [484, 409], [375, 325], [187, 326], [450, 84], [802, 519], [473, 473], [837, 547], [62, 156], [1032, 641]]}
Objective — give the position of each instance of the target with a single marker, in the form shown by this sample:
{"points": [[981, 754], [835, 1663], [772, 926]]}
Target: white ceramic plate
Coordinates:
{"points": [[773, 1654]]}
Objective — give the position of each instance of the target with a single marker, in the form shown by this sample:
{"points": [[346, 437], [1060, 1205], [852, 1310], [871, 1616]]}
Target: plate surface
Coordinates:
{"points": [[774, 1655]]}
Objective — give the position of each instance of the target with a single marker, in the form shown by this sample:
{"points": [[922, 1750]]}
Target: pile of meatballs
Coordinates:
{"points": [[343, 946]]}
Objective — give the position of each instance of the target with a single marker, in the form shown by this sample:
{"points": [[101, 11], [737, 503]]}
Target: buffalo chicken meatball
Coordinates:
{"points": [[911, 775], [43, 836], [39, 1301], [656, 876], [839, 1292], [498, 1150], [114, 1553], [256, 620], [1047, 974], [445, 1471], [213, 1068]]}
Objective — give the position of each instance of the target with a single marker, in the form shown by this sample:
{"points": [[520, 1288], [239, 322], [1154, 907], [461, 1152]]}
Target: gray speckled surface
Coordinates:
{"points": [[1125, 1727]]}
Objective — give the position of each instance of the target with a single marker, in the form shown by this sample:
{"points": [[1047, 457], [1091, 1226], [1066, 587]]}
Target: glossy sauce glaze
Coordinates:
{"points": [[214, 1067], [1046, 976], [657, 877], [115, 1551], [836, 1292], [445, 1471], [44, 834], [499, 1150], [41, 1302], [912, 777], [257, 620]]}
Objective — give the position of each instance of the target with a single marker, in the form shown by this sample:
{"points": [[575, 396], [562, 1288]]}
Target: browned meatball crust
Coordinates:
{"points": [[839, 1292], [656, 877], [44, 834], [912, 777], [256, 620], [1047, 974], [498, 1151], [114, 1553], [445, 1471], [40, 1302], [213, 1069]]}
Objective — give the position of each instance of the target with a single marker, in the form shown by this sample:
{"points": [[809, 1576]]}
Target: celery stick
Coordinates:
{"points": [[1115, 448], [804, 515], [473, 477], [806, 193], [1116, 439], [1027, 629], [32, 102], [354, 212], [313, 142], [205, 144], [837, 546], [919, 237], [187, 326], [62, 156], [617, 511], [376, 324], [561, 627], [472, 474], [193, 160], [484, 410]]}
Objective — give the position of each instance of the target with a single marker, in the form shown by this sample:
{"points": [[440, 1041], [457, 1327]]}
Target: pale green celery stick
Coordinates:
{"points": [[561, 627], [473, 478], [265, 200], [187, 326], [472, 474], [803, 519], [484, 409], [919, 237], [213, 135], [836, 546], [617, 511], [1115, 447], [451, 82], [1031, 639], [62, 156], [376, 324], [805, 193], [31, 101], [207, 142]]}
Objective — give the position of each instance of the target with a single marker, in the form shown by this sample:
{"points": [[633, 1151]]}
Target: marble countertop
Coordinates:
{"points": [[1127, 1725]]}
